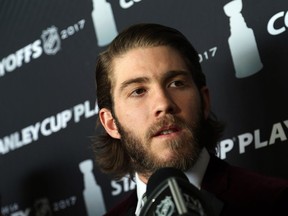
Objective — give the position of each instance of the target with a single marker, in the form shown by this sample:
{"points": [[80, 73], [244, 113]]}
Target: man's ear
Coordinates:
{"points": [[206, 101], [108, 122]]}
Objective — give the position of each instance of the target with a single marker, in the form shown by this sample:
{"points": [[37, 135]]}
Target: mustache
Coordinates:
{"points": [[165, 121]]}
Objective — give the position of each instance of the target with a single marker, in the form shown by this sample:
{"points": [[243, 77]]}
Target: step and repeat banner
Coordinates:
{"points": [[48, 113]]}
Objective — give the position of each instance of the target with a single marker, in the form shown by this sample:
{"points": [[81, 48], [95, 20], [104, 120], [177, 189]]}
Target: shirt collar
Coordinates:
{"points": [[195, 175], [141, 189]]}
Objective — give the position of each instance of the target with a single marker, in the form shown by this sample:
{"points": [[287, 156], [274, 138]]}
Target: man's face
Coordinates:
{"points": [[158, 109]]}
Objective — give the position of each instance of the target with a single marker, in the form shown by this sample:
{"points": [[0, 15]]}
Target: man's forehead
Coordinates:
{"points": [[134, 58]]}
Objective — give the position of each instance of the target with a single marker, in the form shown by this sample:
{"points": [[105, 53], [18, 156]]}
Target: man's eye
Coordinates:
{"points": [[176, 83], [138, 92]]}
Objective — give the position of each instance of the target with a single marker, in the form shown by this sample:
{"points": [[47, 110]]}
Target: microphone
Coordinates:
{"points": [[169, 193]]}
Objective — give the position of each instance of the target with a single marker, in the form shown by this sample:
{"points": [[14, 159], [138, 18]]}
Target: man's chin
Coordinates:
{"points": [[171, 161], [173, 151]]}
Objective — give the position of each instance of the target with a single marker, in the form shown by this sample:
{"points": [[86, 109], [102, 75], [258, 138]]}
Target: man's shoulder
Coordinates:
{"points": [[242, 190], [255, 179], [126, 206], [244, 181]]}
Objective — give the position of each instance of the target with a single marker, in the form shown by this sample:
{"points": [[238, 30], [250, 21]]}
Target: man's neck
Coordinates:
{"points": [[143, 178]]}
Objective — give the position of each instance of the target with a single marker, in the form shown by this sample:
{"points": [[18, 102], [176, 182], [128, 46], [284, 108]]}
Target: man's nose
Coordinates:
{"points": [[164, 103]]}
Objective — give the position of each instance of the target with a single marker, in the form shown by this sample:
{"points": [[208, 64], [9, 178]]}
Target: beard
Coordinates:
{"points": [[186, 148]]}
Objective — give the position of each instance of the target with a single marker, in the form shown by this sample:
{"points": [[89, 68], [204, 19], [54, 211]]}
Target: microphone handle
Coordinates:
{"points": [[177, 196]]}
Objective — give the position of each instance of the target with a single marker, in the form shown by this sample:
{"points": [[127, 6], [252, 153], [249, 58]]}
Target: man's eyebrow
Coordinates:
{"points": [[174, 73], [133, 81], [169, 75]]}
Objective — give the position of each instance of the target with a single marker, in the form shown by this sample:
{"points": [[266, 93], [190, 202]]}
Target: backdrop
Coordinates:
{"points": [[48, 113]]}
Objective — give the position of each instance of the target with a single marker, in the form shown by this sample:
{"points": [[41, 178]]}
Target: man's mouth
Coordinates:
{"points": [[166, 131]]}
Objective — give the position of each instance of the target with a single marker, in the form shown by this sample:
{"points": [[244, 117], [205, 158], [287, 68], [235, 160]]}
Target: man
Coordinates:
{"points": [[155, 108]]}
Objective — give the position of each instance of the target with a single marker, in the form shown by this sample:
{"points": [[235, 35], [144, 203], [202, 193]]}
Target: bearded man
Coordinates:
{"points": [[155, 108]]}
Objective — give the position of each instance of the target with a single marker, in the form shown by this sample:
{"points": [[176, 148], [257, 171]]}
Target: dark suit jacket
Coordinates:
{"points": [[242, 192]]}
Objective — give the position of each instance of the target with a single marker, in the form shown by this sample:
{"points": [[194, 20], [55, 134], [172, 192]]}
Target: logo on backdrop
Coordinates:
{"points": [[42, 207], [51, 40], [278, 18], [127, 4], [47, 127], [92, 193], [242, 42], [50, 44], [279, 132], [104, 22]]}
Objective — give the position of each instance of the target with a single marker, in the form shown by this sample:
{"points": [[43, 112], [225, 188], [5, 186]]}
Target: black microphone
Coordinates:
{"points": [[169, 193]]}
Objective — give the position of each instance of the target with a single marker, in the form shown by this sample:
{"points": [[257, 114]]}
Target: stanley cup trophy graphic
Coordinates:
{"points": [[104, 22], [92, 192], [242, 42]]}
